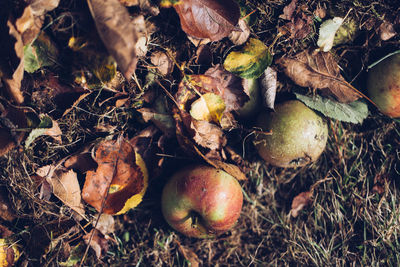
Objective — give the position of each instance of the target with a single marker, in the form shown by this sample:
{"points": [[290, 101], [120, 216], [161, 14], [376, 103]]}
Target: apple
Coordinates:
{"points": [[202, 201], [383, 86], [297, 135]]}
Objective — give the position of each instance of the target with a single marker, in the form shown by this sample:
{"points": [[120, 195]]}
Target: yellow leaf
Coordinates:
{"points": [[209, 107]]}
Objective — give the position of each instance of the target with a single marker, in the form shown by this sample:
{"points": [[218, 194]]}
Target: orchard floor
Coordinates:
{"points": [[352, 219]]}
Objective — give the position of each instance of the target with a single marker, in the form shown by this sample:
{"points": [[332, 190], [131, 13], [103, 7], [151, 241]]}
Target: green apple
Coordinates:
{"points": [[202, 201], [384, 86], [292, 136]]}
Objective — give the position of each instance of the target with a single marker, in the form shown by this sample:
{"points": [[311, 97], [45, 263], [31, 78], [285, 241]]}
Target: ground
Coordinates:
{"points": [[352, 217]]}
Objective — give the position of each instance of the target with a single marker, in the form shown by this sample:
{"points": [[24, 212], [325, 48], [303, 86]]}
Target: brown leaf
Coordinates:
{"points": [[289, 10], [65, 186], [12, 82], [211, 19], [268, 84], [164, 122], [386, 31], [117, 31], [54, 132], [239, 37], [319, 70], [97, 242], [105, 224], [208, 135], [31, 20], [189, 255], [301, 201], [163, 63], [229, 87], [120, 175]]}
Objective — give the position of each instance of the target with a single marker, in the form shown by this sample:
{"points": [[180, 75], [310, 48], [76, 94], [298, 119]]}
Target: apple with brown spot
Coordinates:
{"points": [[202, 201], [384, 86]]}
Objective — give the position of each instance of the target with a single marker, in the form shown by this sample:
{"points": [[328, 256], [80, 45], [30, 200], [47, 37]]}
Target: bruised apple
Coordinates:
{"points": [[202, 201], [384, 86], [292, 136]]}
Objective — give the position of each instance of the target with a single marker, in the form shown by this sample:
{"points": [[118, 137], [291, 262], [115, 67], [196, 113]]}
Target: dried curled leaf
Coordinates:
{"points": [[208, 135], [120, 180], [117, 31], [319, 70], [208, 19]]}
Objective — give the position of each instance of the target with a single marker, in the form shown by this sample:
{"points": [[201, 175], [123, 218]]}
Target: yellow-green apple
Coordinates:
{"points": [[292, 136], [202, 201], [384, 86]]}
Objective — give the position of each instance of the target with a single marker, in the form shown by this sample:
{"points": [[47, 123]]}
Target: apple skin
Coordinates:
{"points": [[384, 86], [202, 201], [298, 137]]}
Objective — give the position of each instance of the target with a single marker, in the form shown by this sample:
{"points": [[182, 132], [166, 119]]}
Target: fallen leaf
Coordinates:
{"points": [[189, 255], [299, 25], [12, 81], [9, 252], [65, 186], [42, 52], [299, 202], [239, 37], [164, 122], [117, 31], [209, 107], [386, 31], [288, 10], [32, 18], [320, 12], [208, 135], [354, 112], [144, 30], [327, 32], [251, 61], [208, 19], [97, 242], [120, 180], [163, 63], [229, 87], [268, 84], [319, 70], [105, 224], [48, 127]]}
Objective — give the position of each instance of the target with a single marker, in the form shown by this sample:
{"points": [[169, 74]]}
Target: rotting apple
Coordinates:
{"points": [[384, 86], [202, 201], [293, 135]]}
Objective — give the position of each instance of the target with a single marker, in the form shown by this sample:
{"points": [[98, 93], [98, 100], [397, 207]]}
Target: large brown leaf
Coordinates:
{"points": [[319, 70], [208, 19], [117, 31], [120, 179]]}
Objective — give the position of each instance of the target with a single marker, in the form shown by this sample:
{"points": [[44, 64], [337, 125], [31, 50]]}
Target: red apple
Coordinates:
{"points": [[201, 201], [384, 86]]}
